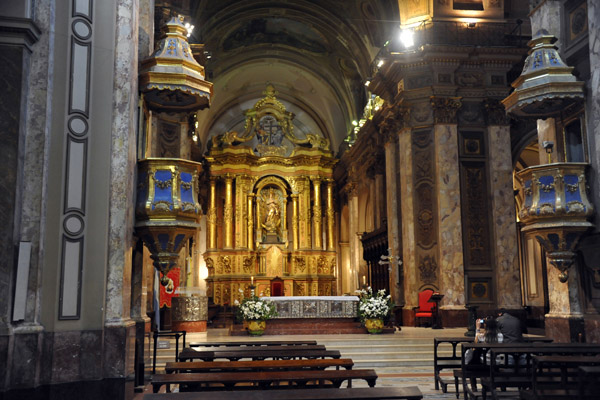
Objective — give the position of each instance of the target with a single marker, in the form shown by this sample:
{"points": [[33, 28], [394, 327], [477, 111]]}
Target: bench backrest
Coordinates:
{"points": [[255, 343], [189, 354], [206, 366]]}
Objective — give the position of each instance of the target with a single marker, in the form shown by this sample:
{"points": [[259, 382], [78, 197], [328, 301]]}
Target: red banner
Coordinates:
{"points": [[170, 290]]}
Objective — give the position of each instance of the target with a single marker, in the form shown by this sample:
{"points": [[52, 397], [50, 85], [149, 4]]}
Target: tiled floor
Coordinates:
{"points": [[399, 375]]}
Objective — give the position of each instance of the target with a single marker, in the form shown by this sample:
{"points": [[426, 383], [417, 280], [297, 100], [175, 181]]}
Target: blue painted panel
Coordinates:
{"points": [[178, 240], [165, 193], [547, 197], [163, 239], [186, 194], [572, 196]]}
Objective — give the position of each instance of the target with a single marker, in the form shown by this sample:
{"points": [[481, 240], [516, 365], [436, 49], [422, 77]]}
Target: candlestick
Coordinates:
{"points": [[252, 280], [364, 280]]}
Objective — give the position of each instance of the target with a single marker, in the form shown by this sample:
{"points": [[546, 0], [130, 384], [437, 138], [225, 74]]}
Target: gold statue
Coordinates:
{"points": [[273, 217]]}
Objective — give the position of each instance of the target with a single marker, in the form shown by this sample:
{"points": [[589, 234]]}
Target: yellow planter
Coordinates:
{"points": [[256, 327], [374, 325]]}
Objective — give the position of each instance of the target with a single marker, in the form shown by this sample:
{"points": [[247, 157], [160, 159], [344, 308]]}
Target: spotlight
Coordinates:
{"points": [[355, 123], [368, 82], [380, 63], [407, 37]]}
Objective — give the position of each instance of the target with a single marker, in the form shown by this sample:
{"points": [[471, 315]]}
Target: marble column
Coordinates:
{"points": [[451, 267], [504, 229], [211, 221], [380, 203], [546, 129], [317, 218], [407, 212], [330, 216], [547, 16], [119, 333], [564, 322], [393, 216], [593, 136], [353, 238]]}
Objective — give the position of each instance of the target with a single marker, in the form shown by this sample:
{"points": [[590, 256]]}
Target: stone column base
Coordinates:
{"points": [[565, 329], [189, 326]]}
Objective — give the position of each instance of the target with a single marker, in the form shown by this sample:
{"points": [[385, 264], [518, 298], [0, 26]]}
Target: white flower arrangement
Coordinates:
{"points": [[253, 308], [373, 305]]}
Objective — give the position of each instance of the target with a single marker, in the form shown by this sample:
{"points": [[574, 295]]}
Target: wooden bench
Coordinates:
{"points": [[268, 348], [453, 361], [589, 382], [557, 377], [258, 354], [255, 343], [262, 379], [375, 393], [446, 362], [263, 365], [512, 367]]}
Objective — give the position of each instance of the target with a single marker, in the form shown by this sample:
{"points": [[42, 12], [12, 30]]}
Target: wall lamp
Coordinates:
{"points": [[548, 145]]}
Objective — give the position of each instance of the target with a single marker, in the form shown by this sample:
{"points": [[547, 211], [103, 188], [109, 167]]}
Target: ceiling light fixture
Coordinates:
{"points": [[407, 37]]}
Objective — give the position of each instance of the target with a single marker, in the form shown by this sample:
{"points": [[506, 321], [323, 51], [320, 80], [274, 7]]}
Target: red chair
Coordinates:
{"points": [[426, 308]]}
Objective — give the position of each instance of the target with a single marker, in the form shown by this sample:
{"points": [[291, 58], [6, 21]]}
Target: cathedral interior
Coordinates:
{"points": [[163, 158]]}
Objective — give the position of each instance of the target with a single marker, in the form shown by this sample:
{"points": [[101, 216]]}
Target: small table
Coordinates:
{"points": [[436, 298]]}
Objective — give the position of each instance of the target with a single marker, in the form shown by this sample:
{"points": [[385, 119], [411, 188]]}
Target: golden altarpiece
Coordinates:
{"points": [[270, 215]]}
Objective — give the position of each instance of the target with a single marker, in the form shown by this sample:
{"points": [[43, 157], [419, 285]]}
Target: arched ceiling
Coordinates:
{"points": [[317, 54]]}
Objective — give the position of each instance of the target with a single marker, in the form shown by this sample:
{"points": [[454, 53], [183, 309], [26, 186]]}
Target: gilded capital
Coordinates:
{"points": [[445, 108], [495, 112]]}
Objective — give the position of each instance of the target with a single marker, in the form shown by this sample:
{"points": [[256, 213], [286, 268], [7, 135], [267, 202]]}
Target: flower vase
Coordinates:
{"points": [[374, 325], [256, 327]]}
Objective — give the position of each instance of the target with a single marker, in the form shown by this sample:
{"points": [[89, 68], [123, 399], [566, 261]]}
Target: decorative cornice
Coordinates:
{"points": [[19, 32]]}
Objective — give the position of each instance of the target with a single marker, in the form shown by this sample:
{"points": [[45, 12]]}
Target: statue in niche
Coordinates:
{"points": [[271, 207]]}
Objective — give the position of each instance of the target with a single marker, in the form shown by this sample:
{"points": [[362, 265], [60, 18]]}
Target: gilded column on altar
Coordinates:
{"points": [[295, 220], [212, 215], [318, 239], [250, 221], [330, 216], [228, 212]]}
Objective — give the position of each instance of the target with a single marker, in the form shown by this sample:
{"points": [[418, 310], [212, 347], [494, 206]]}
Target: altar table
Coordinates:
{"points": [[315, 306]]}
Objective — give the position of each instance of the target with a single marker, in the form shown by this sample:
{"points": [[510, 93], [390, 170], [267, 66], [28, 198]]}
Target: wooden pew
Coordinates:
{"points": [[557, 377], [503, 374], [263, 365], [453, 361], [267, 348], [589, 382], [257, 354], [249, 343], [263, 379], [375, 393], [445, 362]]}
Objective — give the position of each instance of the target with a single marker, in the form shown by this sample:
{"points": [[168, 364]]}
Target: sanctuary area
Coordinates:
{"points": [[165, 160]]}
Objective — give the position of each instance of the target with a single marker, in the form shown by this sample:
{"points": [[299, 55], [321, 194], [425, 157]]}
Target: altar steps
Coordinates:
{"points": [[367, 351]]}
